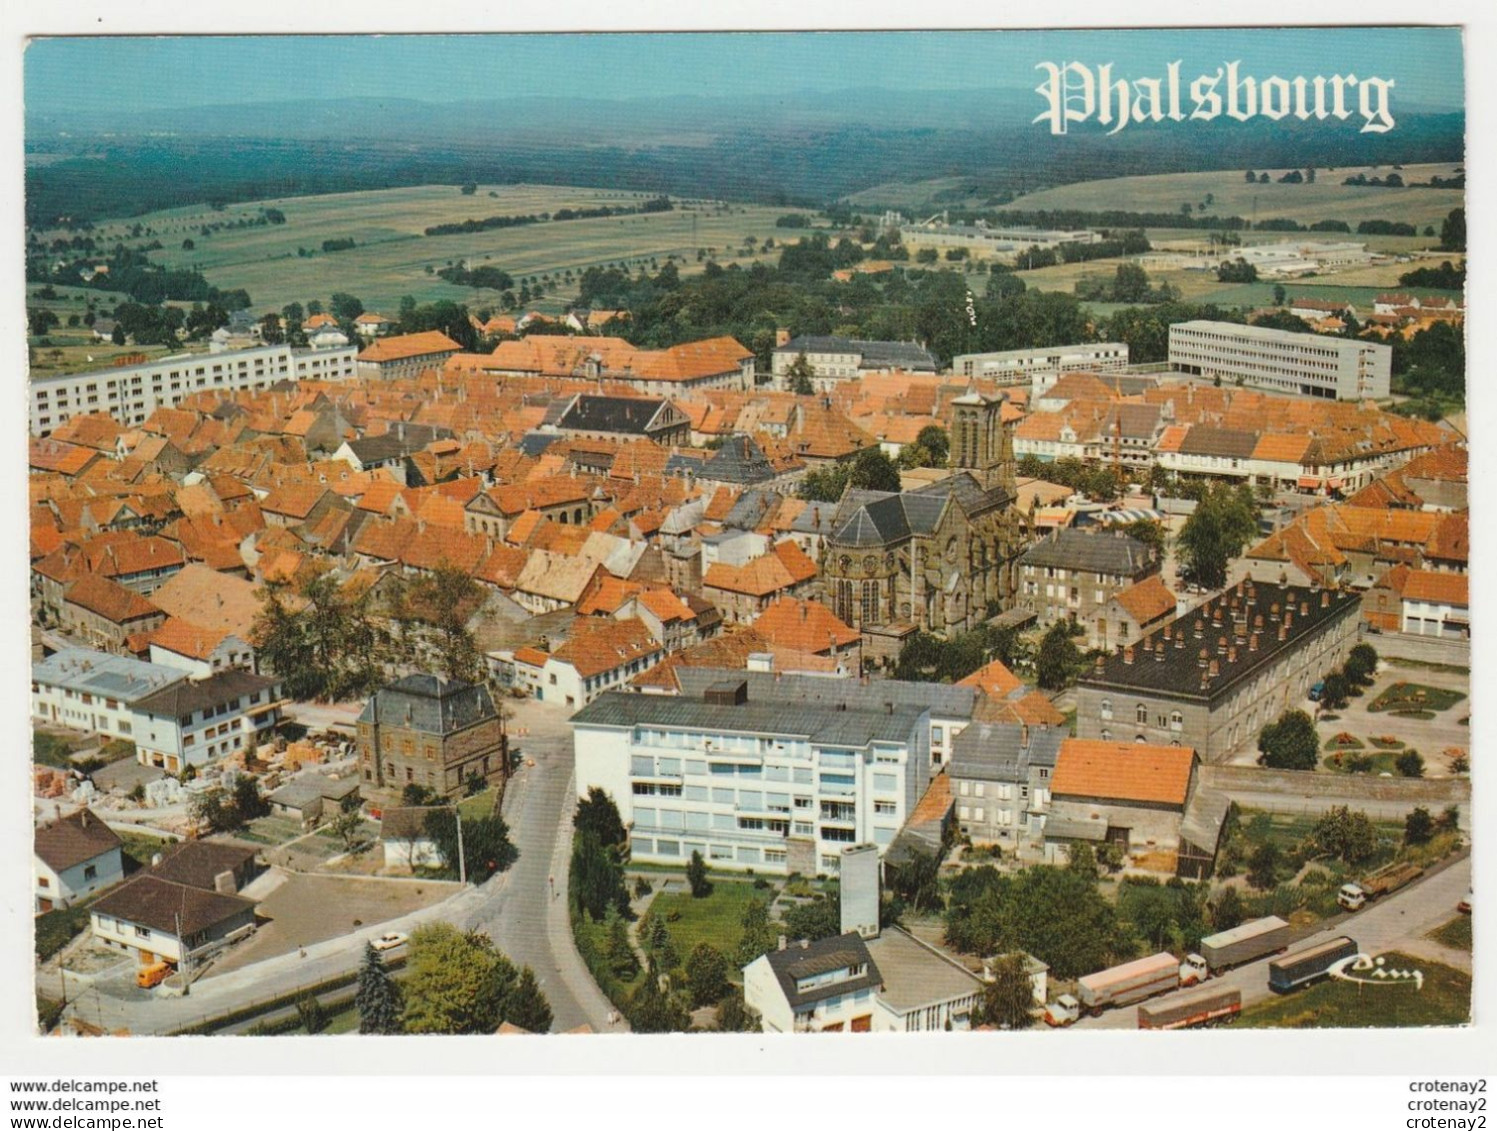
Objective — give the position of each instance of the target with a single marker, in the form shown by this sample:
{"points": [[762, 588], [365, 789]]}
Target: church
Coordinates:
{"points": [[939, 559]]}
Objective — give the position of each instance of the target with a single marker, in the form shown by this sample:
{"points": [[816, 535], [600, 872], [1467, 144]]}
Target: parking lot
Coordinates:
{"points": [[304, 910]]}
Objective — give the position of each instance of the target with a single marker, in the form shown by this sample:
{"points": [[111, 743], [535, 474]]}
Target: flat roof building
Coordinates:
{"points": [[1308, 365]]}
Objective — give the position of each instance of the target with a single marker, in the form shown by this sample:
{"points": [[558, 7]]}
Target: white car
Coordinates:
{"points": [[390, 941]]}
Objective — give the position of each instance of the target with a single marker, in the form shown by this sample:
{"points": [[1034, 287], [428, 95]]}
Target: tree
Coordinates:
{"points": [[1345, 835], [1263, 866], [247, 800], [468, 189], [1227, 912], [378, 997], [1453, 231], [1418, 827], [597, 878], [1335, 691], [1361, 664], [313, 1016], [1007, 1001], [1058, 657], [345, 307], [418, 796], [346, 825], [117, 335], [1251, 177], [597, 814], [758, 935], [432, 614], [1290, 742], [799, 375], [661, 947], [1410, 764], [1215, 533], [696, 876], [872, 470], [932, 448], [486, 847], [213, 809], [456, 982], [188, 245], [819, 919], [914, 880], [734, 1015], [1279, 294], [1081, 858], [527, 1006], [652, 1010], [706, 975], [622, 960], [1449, 820]]}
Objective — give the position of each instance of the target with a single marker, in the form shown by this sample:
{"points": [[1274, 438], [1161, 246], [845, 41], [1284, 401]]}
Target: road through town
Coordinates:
{"points": [[1395, 922]]}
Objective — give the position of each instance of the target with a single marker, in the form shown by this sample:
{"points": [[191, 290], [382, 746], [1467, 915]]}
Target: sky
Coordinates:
{"points": [[138, 74]]}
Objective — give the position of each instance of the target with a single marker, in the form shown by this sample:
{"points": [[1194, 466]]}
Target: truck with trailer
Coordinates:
{"points": [[1306, 966], [1128, 983], [1355, 896], [1244, 943], [1204, 1007]]}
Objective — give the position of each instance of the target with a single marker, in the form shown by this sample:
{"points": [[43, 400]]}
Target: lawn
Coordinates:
{"points": [[51, 749], [1377, 762], [1343, 742], [140, 847], [1455, 934], [714, 919], [1387, 742], [1444, 999], [1418, 698], [55, 929]]}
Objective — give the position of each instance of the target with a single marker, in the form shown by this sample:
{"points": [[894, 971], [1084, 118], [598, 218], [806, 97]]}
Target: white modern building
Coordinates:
{"points": [[95, 691], [196, 722], [1041, 368], [773, 786], [1310, 365], [131, 393]]}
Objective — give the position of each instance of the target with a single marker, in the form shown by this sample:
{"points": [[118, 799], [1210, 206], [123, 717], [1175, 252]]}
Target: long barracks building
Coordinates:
{"points": [[1211, 679], [1309, 365]]}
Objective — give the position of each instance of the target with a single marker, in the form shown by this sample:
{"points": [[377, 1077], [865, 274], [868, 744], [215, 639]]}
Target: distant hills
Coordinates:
{"points": [[798, 147]]}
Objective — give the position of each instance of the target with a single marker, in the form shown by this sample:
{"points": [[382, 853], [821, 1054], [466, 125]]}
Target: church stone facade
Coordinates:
{"points": [[939, 559]]}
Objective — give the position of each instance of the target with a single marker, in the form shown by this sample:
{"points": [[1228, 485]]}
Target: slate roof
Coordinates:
{"points": [[429, 704], [73, 839], [1246, 611], [739, 460], [198, 694], [1116, 555], [996, 751], [944, 700], [627, 415], [802, 720], [378, 449], [1206, 440], [881, 518], [823, 956], [168, 907]]}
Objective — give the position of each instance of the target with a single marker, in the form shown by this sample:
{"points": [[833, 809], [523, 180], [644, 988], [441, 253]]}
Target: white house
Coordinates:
{"points": [[75, 856], [195, 722], [161, 920], [95, 691], [1437, 604], [601, 655]]}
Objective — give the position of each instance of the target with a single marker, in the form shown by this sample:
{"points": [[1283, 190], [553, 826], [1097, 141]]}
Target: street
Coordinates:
{"points": [[517, 909], [1393, 923]]}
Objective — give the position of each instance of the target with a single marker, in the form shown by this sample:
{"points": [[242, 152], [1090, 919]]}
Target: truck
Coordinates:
{"points": [[1128, 983], [1355, 896], [1308, 965], [1204, 1007], [1244, 943]]}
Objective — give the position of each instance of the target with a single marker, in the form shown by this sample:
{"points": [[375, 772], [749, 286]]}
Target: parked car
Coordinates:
{"points": [[1464, 906], [390, 940], [153, 975], [1317, 689]]}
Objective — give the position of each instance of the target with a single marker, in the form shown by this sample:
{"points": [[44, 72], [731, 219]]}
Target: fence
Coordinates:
{"points": [[212, 1023]]}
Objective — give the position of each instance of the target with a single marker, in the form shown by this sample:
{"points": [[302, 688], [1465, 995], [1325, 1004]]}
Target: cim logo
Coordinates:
{"points": [[1368, 971]]}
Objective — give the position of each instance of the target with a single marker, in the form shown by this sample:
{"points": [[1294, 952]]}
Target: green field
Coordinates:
{"points": [[1455, 934], [1326, 199], [1444, 999], [392, 258], [715, 919]]}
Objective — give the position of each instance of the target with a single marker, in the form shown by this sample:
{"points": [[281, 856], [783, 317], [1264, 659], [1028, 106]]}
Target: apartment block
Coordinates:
{"points": [[1308, 365], [774, 786], [131, 393], [1041, 368]]}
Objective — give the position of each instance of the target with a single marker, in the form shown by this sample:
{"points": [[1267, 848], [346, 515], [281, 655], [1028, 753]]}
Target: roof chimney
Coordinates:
{"points": [[1159, 653], [1232, 654], [1128, 654], [1283, 633], [1214, 670], [1325, 599], [1203, 659], [1253, 642]]}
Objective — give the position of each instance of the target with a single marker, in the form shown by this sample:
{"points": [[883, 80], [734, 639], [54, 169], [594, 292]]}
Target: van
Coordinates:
{"points": [[153, 975], [1351, 897]]}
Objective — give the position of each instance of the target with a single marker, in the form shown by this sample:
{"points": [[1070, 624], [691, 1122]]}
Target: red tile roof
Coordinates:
{"points": [[1123, 771]]}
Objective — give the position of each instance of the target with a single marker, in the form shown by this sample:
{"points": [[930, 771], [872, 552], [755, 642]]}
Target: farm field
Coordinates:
{"points": [[1326, 199], [391, 258]]}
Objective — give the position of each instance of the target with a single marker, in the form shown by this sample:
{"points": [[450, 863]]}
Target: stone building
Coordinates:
{"points": [[1211, 679], [941, 558], [424, 730], [1073, 574]]}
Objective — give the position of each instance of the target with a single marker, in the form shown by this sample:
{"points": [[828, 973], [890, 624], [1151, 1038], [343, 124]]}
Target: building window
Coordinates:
{"points": [[142, 932], [1177, 721], [1106, 709], [1141, 714], [90, 872]]}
